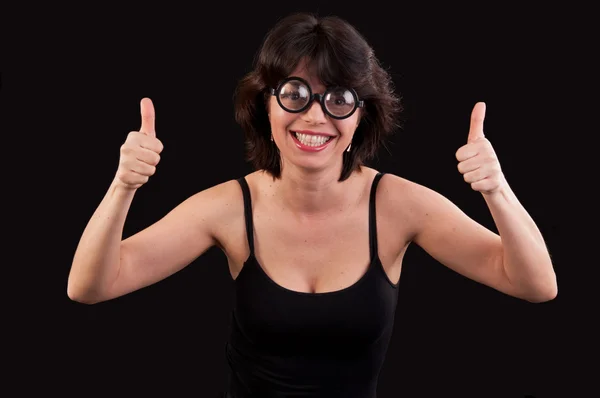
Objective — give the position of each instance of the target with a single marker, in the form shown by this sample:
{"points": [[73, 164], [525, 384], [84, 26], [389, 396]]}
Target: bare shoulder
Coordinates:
{"points": [[225, 203], [399, 202], [227, 220], [416, 207], [420, 205]]}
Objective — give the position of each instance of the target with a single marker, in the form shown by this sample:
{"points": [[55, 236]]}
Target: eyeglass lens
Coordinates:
{"points": [[295, 95]]}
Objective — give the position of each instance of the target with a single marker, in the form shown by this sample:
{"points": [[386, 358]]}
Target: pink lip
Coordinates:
{"points": [[310, 148]]}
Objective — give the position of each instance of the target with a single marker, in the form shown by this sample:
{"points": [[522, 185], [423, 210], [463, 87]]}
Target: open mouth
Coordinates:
{"points": [[310, 142]]}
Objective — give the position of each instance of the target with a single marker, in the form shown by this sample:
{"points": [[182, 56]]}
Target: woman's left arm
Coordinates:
{"points": [[526, 258], [515, 261]]}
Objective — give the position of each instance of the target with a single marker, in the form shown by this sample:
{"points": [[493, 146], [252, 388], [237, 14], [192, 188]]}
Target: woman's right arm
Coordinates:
{"points": [[105, 266]]}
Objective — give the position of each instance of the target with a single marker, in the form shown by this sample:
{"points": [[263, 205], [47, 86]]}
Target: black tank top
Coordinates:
{"points": [[285, 343]]}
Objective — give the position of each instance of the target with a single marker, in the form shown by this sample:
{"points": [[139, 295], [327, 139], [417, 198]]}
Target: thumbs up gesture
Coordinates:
{"points": [[477, 160], [141, 151]]}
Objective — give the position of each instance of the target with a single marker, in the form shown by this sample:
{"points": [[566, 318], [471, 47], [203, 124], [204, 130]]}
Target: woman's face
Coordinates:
{"points": [[310, 139]]}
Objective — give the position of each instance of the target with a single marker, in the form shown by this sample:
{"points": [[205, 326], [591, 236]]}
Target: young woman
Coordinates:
{"points": [[314, 238]]}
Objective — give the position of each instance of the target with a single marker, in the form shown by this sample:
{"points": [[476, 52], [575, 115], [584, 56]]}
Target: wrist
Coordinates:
{"points": [[117, 187]]}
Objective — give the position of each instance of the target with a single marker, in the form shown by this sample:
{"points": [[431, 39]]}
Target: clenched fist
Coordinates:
{"points": [[141, 151], [477, 159]]}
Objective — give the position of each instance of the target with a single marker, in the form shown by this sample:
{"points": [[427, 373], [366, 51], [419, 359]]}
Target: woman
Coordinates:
{"points": [[314, 238]]}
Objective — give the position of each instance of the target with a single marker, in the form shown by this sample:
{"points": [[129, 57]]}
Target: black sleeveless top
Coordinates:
{"points": [[285, 343]]}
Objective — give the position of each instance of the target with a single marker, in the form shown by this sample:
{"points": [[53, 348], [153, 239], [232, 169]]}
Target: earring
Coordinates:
{"points": [[348, 150], [271, 136]]}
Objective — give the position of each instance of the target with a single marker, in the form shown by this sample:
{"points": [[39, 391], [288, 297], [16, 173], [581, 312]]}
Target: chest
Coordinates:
{"points": [[309, 246], [318, 255]]}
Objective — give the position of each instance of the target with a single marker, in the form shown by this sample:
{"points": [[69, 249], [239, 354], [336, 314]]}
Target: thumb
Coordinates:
{"points": [[147, 111], [477, 117]]}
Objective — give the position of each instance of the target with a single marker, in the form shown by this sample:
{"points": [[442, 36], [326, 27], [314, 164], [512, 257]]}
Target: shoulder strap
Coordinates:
{"points": [[372, 217], [247, 213]]}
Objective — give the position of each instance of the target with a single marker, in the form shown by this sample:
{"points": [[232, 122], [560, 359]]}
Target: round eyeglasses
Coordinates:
{"points": [[295, 95]]}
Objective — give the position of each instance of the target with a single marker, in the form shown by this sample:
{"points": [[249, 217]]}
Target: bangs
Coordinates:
{"points": [[335, 62]]}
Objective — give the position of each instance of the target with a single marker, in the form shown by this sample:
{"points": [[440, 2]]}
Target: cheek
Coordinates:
{"points": [[279, 119], [347, 127]]}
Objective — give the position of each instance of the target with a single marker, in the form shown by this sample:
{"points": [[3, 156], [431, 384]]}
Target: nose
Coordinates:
{"points": [[315, 113]]}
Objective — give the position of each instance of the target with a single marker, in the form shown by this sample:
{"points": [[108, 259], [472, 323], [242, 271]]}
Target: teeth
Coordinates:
{"points": [[311, 140]]}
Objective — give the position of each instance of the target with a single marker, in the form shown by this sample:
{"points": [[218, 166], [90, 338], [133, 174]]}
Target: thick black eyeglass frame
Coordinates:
{"points": [[319, 97]]}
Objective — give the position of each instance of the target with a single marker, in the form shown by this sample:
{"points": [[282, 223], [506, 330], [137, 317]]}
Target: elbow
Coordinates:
{"points": [[542, 298], [80, 298], [80, 295], [543, 294]]}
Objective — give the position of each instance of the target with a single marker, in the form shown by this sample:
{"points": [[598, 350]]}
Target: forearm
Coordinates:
{"points": [[526, 259], [97, 258]]}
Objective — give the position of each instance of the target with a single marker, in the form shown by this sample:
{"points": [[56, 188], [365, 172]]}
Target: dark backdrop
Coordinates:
{"points": [[75, 96]]}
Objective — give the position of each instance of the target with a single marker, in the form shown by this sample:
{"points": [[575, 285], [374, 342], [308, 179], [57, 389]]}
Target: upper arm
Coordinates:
{"points": [[454, 239], [172, 242]]}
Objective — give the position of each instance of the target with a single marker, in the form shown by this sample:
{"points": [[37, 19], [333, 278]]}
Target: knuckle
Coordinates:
{"points": [[159, 146], [126, 149], [122, 174]]}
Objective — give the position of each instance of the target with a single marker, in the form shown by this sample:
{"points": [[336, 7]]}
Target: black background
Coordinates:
{"points": [[73, 95]]}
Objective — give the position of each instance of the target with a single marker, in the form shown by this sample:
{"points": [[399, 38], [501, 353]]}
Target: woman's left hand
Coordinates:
{"points": [[477, 159]]}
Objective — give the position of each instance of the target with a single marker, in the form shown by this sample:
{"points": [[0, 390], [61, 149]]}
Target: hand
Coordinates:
{"points": [[477, 160], [140, 152]]}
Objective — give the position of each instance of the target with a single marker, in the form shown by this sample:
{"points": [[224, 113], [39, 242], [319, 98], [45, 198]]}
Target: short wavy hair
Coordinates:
{"points": [[341, 56]]}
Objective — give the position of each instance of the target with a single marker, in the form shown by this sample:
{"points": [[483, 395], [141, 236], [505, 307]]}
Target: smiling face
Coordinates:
{"points": [[311, 139]]}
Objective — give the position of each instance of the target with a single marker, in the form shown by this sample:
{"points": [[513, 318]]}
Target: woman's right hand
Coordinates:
{"points": [[141, 151]]}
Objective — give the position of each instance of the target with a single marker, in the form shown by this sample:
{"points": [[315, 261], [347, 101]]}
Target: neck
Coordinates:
{"points": [[308, 193]]}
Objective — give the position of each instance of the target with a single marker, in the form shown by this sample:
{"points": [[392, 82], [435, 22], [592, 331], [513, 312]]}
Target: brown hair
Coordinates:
{"points": [[341, 56]]}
